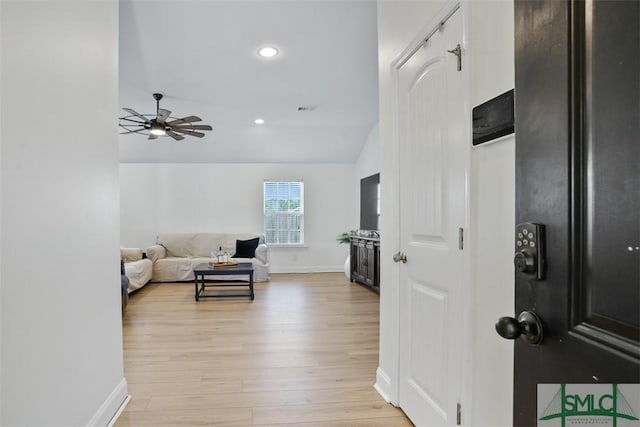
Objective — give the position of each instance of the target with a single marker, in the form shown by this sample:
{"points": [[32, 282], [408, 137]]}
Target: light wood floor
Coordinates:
{"points": [[303, 353]]}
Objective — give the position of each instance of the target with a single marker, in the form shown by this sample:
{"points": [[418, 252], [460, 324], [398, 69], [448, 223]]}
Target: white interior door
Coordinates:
{"points": [[433, 147]]}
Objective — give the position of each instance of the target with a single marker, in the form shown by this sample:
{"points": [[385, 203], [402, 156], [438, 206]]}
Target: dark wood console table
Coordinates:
{"points": [[365, 261]]}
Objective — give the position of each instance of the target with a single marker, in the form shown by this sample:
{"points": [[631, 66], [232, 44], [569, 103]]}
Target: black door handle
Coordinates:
{"points": [[528, 327]]}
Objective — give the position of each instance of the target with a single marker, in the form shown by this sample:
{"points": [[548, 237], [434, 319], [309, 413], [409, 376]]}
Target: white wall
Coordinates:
{"points": [[167, 198], [493, 218], [1, 185], [61, 336], [368, 164], [489, 49]]}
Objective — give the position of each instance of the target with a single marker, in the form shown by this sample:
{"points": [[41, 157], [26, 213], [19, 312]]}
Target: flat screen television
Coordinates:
{"points": [[370, 202]]}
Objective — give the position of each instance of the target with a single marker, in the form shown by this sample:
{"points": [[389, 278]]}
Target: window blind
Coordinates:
{"points": [[284, 212]]}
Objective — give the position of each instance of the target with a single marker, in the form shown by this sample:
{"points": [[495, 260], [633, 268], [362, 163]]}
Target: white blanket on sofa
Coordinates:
{"points": [[136, 268], [175, 255]]}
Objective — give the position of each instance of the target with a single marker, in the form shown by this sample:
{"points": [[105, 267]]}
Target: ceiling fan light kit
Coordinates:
{"points": [[157, 129], [156, 126]]}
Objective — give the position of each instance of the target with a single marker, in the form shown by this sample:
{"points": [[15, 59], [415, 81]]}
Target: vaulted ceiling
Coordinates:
{"points": [[202, 56]]}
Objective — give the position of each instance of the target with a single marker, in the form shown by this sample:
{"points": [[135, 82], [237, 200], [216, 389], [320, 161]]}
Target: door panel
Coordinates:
{"points": [[609, 170], [577, 108], [428, 378], [433, 161], [425, 145]]}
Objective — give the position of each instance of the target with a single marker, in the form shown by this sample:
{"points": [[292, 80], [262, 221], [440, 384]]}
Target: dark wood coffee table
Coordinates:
{"points": [[202, 271]]}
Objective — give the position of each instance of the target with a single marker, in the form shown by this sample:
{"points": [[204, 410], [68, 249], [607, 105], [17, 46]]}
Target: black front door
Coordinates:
{"points": [[578, 174]]}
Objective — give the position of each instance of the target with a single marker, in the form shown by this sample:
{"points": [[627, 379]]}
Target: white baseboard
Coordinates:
{"points": [[308, 269], [119, 411], [383, 386], [112, 407]]}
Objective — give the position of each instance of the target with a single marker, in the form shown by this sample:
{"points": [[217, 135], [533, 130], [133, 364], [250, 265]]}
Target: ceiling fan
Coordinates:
{"points": [[162, 124]]}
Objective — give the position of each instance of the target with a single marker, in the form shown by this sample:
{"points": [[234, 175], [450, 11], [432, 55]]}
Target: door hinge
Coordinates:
{"points": [[459, 415], [461, 238]]}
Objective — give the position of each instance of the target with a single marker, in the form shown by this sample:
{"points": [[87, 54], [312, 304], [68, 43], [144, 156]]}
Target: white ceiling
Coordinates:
{"points": [[202, 55]]}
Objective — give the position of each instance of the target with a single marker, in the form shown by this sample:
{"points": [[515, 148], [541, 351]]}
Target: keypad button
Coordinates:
{"points": [[532, 243], [525, 242], [525, 231], [531, 235], [518, 243], [520, 236]]}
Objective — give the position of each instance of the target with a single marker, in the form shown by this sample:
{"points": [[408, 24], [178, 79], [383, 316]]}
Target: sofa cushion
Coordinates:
{"points": [[156, 252], [172, 269], [203, 243], [177, 245], [246, 248]]}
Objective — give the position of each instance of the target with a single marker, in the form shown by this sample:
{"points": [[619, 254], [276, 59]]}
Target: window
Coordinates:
{"points": [[284, 212]]}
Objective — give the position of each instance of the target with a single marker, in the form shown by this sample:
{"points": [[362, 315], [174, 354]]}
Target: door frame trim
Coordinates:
{"points": [[388, 383]]}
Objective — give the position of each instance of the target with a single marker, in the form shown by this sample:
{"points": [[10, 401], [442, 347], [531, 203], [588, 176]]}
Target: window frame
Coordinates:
{"points": [[300, 214]]}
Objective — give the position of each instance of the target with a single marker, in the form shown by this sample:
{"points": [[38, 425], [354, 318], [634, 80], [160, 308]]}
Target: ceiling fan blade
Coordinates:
{"points": [[132, 131], [133, 121], [175, 135], [135, 113], [192, 127], [163, 115], [188, 132], [185, 120], [152, 136]]}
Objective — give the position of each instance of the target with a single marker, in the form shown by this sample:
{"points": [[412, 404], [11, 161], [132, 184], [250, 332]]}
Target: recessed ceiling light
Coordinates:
{"points": [[268, 51], [259, 121]]}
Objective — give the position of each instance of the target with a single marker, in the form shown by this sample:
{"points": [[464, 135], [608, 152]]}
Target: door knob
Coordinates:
{"points": [[400, 257], [528, 327]]}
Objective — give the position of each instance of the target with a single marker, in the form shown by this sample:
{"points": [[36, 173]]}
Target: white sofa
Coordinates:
{"points": [[136, 267], [175, 255]]}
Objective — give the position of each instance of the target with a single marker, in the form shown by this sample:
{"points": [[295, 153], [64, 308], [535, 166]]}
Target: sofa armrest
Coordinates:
{"points": [[130, 254], [156, 252], [262, 253]]}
